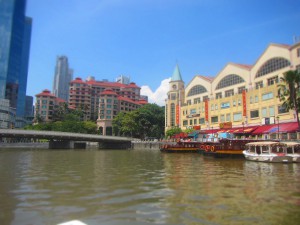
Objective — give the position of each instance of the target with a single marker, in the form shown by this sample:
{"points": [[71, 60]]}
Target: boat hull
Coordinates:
{"points": [[268, 158]]}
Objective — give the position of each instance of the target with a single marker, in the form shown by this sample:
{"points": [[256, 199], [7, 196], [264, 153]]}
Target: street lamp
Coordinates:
{"points": [[277, 127], [243, 128]]}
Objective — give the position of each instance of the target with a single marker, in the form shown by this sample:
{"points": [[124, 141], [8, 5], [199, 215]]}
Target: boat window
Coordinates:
{"points": [[265, 149], [289, 150], [258, 151]]}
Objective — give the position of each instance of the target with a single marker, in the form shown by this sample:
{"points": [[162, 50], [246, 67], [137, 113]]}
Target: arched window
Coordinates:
{"points": [[229, 80], [197, 89], [272, 65]]}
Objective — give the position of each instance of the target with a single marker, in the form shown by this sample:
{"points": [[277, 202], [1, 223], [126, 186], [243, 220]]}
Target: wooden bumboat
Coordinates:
{"points": [[181, 147], [225, 147], [267, 152]]}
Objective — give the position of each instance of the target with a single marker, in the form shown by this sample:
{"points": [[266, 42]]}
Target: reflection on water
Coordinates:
{"points": [[144, 187]]}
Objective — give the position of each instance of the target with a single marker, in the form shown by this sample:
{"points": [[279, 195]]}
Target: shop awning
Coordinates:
{"points": [[284, 128], [273, 128]]}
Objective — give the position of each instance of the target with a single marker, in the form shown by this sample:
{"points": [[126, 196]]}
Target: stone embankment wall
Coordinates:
{"points": [[150, 145]]}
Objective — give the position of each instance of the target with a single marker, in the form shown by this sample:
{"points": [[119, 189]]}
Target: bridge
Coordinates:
{"points": [[66, 140]]}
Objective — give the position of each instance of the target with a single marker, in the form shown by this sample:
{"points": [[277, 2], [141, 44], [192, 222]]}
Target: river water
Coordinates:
{"points": [[122, 187]]}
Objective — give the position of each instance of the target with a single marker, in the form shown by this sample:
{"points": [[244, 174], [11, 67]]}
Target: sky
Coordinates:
{"points": [[145, 39]]}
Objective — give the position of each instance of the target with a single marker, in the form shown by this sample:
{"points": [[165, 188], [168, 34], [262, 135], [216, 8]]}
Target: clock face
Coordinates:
{"points": [[174, 87]]}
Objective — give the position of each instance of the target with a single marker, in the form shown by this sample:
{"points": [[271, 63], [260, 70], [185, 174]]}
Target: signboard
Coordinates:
{"points": [[206, 109], [197, 127], [244, 96], [225, 125]]}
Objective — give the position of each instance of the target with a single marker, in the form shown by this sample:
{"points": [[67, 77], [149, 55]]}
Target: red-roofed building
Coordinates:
{"points": [[102, 100], [45, 105]]}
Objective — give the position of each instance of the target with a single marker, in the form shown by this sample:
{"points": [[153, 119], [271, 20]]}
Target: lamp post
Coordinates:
{"points": [[243, 128], [277, 127]]}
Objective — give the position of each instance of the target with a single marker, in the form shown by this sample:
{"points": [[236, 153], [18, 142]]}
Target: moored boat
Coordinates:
{"points": [[293, 150], [181, 147], [225, 147], [267, 151]]}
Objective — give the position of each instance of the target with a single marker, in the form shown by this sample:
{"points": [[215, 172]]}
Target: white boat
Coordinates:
{"points": [[267, 151], [293, 150]]}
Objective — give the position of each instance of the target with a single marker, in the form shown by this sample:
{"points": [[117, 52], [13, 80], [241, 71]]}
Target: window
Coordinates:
{"points": [[282, 109], [271, 111], [214, 119], [256, 99], [195, 121], [254, 114], [229, 93], [241, 89], [272, 65], [298, 52], [205, 97], [272, 81], [212, 107], [251, 100], [197, 100], [259, 85], [189, 102], [201, 121], [192, 111], [230, 80], [239, 102], [185, 123], [173, 96], [222, 118], [216, 106], [191, 122], [198, 89], [237, 117], [264, 112], [225, 105], [234, 103], [218, 95], [228, 117], [267, 96]]}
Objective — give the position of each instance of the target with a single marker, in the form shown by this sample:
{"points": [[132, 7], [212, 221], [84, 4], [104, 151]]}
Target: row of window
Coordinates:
{"points": [[236, 117]]}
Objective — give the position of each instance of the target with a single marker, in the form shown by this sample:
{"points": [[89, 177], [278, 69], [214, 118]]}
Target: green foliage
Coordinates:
{"points": [[147, 121], [289, 92], [172, 131]]}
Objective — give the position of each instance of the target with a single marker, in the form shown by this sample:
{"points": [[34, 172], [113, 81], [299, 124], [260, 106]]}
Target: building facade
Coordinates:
{"points": [[15, 35], [45, 104], [240, 97], [62, 77], [103, 100]]}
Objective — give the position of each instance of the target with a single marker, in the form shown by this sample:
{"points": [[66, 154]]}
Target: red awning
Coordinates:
{"points": [[284, 128], [262, 129], [273, 128]]}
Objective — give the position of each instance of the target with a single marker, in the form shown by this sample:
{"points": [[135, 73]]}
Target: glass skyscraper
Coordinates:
{"points": [[62, 78], [15, 35]]}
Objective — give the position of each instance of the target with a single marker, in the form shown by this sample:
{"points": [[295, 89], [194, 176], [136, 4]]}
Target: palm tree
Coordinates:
{"points": [[289, 92]]}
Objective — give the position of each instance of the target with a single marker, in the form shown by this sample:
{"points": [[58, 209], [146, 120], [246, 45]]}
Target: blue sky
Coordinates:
{"points": [[144, 39]]}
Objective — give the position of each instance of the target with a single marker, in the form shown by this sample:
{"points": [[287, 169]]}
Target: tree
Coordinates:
{"points": [[172, 131], [289, 92]]}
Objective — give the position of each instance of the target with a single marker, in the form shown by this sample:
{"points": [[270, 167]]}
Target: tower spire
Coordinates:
{"points": [[176, 74]]}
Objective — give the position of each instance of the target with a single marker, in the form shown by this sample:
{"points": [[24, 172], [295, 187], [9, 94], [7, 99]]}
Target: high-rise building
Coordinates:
{"points": [[15, 34], [123, 79], [62, 77]]}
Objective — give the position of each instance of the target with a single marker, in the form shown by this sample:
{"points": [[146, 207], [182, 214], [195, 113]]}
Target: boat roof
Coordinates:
{"points": [[291, 143], [265, 143]]}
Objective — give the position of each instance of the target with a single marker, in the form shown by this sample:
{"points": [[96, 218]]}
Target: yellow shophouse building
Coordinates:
{"points": [[240, 99]]}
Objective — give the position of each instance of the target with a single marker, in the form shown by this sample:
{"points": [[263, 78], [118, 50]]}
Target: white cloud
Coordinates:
{"points": [[159, 96]]}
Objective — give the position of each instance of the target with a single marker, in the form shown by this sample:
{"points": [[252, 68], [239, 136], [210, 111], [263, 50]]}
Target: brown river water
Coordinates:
{"points": [[122, 187]]}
